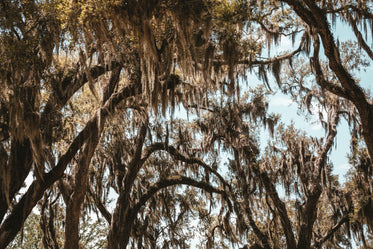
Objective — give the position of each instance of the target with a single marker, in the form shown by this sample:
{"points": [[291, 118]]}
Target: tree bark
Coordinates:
{"points": [[14, 173], [75, 202]]}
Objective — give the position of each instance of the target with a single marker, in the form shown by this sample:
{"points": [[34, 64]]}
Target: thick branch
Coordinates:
{"points": [[280, 205], [73, 207], [300, 9], [14, 171], [330, 233], [310, 211], [101, 207], [171, 181], [179, 156]]}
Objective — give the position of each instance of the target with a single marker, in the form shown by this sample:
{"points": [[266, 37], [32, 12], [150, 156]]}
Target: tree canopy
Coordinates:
{"points": [[138, 125]]}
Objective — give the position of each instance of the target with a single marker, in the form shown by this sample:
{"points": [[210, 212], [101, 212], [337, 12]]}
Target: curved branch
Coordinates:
{"points": [[320, 79], [276, 58], [171, 181], [359, 36], [178, 156], [330, 233]]}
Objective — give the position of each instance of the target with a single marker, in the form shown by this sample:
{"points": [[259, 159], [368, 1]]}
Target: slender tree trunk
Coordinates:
{"points": [[74, 205], [47, 224]]}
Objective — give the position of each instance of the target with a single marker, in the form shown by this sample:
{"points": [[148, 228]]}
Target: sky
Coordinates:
{"points": [[283, 104]]}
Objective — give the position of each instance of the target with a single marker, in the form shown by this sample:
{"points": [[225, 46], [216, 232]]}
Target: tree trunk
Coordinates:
{"points": [[14, 173], [308, 218], [74, 205], [80, 183]]}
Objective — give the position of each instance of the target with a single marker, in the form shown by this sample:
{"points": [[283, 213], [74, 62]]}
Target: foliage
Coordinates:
{"points": [[92, 96], [30, 236]]}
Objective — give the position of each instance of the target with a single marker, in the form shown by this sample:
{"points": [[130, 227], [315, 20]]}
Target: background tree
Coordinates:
{"points": [[142, 59]]}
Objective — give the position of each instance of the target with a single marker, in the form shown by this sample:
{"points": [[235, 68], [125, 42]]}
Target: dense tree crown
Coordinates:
{"points": [[134, 124]]}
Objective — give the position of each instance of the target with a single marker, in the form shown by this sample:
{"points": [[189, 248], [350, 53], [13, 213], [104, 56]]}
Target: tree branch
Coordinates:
{"points": [[121, 222], [320, 79], [171, 181], [330, 233], [280, 206], [178, 156], [322, 155], [259, 234], [80, 183], [358, 35], [101, 207], [315, 189], [301, 10], [63, 91], [276, 58], [319, 23]]}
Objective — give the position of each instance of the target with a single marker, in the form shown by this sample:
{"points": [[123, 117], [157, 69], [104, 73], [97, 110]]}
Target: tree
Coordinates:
{"points": [[315, 17], [33, 124], [142, 59], [293, 161], [30, 236]]}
